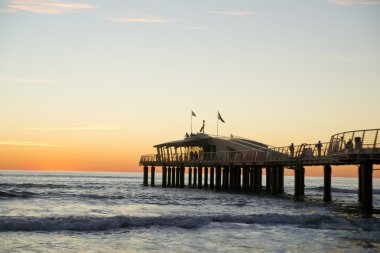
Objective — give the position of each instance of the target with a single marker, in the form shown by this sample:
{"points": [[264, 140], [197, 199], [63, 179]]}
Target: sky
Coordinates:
{"points": [[92, 85]]}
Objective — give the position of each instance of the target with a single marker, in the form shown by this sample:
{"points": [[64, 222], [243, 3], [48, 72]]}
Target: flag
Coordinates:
{"points": [[220, 117], [193, 114]]}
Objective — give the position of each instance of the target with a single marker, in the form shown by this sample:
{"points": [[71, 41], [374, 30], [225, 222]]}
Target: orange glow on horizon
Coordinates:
{"points": [[106, 157]]}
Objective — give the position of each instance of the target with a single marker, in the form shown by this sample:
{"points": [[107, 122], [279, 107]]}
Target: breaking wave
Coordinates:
{"points": [[16, 194], [79, 223]]}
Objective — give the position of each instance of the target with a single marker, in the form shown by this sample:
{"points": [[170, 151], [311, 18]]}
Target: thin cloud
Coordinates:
{"points": [[28, 143], [78, 127], [143, 20], [52, 7], [137, 16], [234, 13], [356, 2]]}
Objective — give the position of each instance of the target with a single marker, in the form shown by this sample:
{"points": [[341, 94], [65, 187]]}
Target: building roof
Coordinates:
{"points": [[222, 143], [193, 140]]}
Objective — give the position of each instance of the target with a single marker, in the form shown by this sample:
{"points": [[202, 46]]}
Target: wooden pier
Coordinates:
{"points": [[236, 164]]}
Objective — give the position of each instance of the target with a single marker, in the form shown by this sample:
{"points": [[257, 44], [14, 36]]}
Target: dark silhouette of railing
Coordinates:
{"points": [[352, 146]]}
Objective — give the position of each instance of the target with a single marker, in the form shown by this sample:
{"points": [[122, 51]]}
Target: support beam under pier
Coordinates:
{"points": [[274, 181], [169, 176], [231, 178], [173, 176], [218, 177], [367, 170], [164, 173], [152, 174], [251, 179], [177, 176], [182, 177], [302, 175], [190, 175], [212, 177], [206, 178], [200, 177], [360, 183], [238, 178], [245, 178], [299, 181], [225, 178], [268, 179], [145, 182], [195, 178], [280, 179], [327, 183]]}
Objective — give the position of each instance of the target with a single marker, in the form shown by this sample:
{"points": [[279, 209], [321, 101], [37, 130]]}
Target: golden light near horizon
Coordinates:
{"points": [[93, 85]]}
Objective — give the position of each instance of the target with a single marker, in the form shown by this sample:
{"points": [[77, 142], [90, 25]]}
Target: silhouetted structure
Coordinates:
{"points": [[238, 162]]}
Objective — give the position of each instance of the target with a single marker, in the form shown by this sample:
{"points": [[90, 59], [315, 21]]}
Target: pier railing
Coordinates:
{"points": [[353, 145], [359, 144]]}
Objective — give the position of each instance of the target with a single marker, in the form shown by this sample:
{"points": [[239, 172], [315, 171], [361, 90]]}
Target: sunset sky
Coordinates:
{"points": [[92, 85]]}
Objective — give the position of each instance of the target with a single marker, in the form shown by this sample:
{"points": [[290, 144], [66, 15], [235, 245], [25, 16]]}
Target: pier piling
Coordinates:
{"points": [[302, 183], [190, 175], [251, 179], [182, 177], [145, 176], [177, 176], [195, 176], [280, 179], [169, 176], [173, 176], [360, 183], [297, 182], [327, 183], [245, 178], [164, 173], [211, 177], [268, 179], [274, 186], [231, 178], [255, 173], [206, 178], [367, 169], [200, 177], [152, 173], [218, 177]]}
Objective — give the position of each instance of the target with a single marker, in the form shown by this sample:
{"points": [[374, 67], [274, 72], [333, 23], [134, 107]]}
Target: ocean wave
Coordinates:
{"points": [[29, 185], [16, 194], [54, 186], [80, 223]]}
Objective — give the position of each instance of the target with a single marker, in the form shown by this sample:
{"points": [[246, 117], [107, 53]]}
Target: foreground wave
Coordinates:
{"points": [[79, 223]]}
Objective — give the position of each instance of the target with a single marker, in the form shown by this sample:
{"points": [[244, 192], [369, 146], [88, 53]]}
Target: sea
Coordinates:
{"points": [[114, 212]]}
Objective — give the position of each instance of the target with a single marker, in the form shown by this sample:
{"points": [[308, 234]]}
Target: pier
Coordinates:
{"points": [[237, 164]]}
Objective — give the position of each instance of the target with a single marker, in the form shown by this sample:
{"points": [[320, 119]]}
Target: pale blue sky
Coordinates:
{"points": [[278, 71]]}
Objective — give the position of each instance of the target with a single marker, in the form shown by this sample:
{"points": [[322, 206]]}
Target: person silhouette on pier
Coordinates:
{"points": [[203, 128], [291, 149], [349, 144], [319, 147]]}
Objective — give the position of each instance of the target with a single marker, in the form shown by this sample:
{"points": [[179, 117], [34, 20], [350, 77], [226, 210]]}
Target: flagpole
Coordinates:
{"points": [[191, 116], [217, 125]]}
